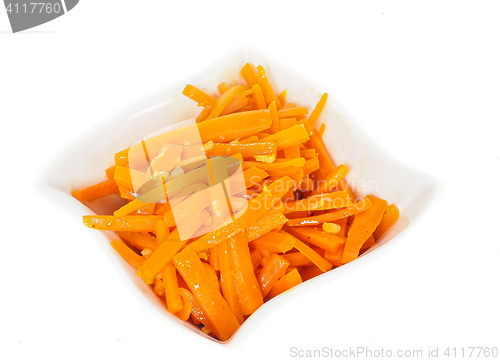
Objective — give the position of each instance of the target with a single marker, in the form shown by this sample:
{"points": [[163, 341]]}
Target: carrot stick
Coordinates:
{"points": [[227, 281], [267, 90], [311, 165], [315, 258], [128, 223], [247, 150], [288, 281], [321, 130], [391, 215], [162, 230], [245, 281], [275, 127], [308, 272], [110, 172], [222, 320], [185, 312], [102, 189], [292, 152], [222, 88], [289, 137], [308, 154], [335, 258], [327, 241], [286, 123], [333, 179], [271, 272], [273, 242], [212, 276], [297, 162], [264, 225], [362, 227], [159, 287], [237, 103], [221, 103], [250, 139], [306, 184], [331, 216], [139, 240], [282, 97], [254, 175], [368, 244], [255, 256], [324, 201], [213, 258], [292, 112], [256, 208], [205, 112], [258, 97], [127, 254], [325, 162], [196, 312], [249, 73], [297, 259], [198, 96], [318, 109]]}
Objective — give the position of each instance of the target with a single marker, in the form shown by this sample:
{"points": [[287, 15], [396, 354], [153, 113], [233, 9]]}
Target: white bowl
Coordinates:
{"points": [[370, 169]]}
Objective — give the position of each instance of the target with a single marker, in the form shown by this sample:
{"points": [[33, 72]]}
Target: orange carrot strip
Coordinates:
{"points": [[213, 258], [335, 258], [249, 73], [321, 130], [333, 179], [196, 312], [343, 186], [264, 225], [297, 259], [250, 139], [224, 100], [127, 223], [282, 97], [222, 88], [159, 287], [227, 281], [247, 150], [162, 230], [185, 312], [271, 272], [258, 97], [324, 201], [308, 272], [280, 171], [267, 90], [369, 243], [212, 276], [288, 281], [315, 258], [130, 179], [327, 241], [362, 227], [245, 281], [167, 249], [391, 215], [297, 162], [308, 154], [102, 189], [286, 123], [205, 112], [255, 256], [318, 109], [198, 96], [214, 306], [325, 162], [275, 127], [292, 152], [273, 242], [237, 103], [292, 112], [254, 175], [311, 165], [306, 184], [110, 172], [256, 208], [289, 137], [331, 216], [139, 240], [146, 209], [127, 254]]}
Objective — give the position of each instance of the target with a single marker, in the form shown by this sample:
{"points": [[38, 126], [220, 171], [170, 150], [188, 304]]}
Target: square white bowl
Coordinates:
{"points": [[371, 171]]}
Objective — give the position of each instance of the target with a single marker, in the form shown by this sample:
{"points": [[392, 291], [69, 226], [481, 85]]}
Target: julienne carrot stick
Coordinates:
{"points": [[242, 205]]}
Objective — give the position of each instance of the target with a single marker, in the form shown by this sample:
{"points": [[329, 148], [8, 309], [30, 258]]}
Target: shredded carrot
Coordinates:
{"points": [[102, 189], [127, 254], [391, 215], [318, 109], [288, 281], [271, 272]]}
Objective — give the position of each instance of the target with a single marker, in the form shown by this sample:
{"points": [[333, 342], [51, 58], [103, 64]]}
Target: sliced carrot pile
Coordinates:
{"points": [[225, 214]]}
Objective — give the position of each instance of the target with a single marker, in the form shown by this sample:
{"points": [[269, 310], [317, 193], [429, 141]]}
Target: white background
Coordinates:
{"points": [[423, 78]]}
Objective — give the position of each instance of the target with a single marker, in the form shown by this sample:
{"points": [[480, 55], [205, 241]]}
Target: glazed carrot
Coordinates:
{"points": [[222, 88], [273, 242], [308, 272], [110, 172], [214, 306], [306, 184], [286, 123], [249, 73], [185, 312], [308, 153], [128, 223], [318, 109], [227, 285], [368, 244], [258, 97], [255, 256], [271, 272], [250, 139], [212, 276], [288, 281], [221, 103], [198, 96], [292, 112], [335, 258], [159, 288], [275, 127], [327, 241], [315, 258], [331, 216], [363, 226], [205, 112], [343, 186], [247, 150], [321, 130], [196, 312], [102, 189], [311, 165], [324, 201], [282, 97], [265, 224], [297, 259], [245, 281], [267, 90], [289, 137], [256, 208], [391, 215], [146, 209], [292, 152], [333, 179], [254, 175], [127, 254], [278, 171], [139, 240], [298, 162], [162, 231], [325, 162], [237, 103]]}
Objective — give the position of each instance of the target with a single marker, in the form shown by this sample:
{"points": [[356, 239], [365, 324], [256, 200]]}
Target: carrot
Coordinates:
{"points": [[288, 281], [247, 150], [331, 216], [254, 175], [328, 242], [271, 272], [292, 112], [267, 90], [227, 281], [258, 97], [362, 227], [333, 179], [185, 312], [308, 272], [265, 224], [292, 152], [197, 314], [219, 314], [239, 102], [127, 254], [221, 103], [159, 288], [222, 88], [275, 127], [308, 153], [245, 281], [320, 202], [391, 215], [298, 162], [213, 258], [198, 96], [139, 240], [315, 258], [249, 73], [128, 223], [273, 242], [212, 276], [335, 258], [286, 123], [321, 130], [255, 256], [311, 165], [289, 137], [318, 109], [256, 208], [110, 172], [368, 244], [297, 259], [205, 112], [325, 162], [102, 189], [162, 230], [282, 97]]}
